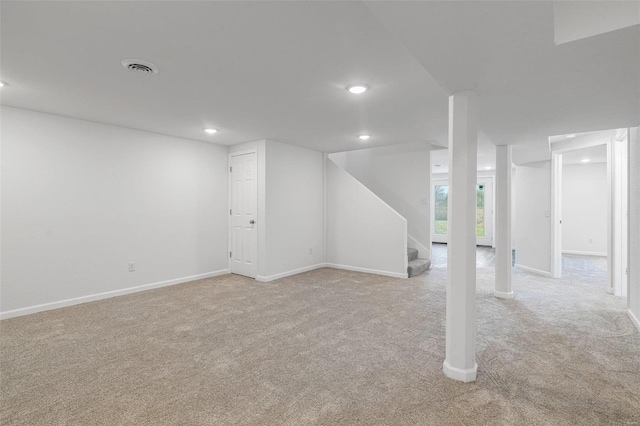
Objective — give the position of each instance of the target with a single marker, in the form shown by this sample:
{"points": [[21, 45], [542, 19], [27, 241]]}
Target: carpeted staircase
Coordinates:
{"points": [[416, 266]]}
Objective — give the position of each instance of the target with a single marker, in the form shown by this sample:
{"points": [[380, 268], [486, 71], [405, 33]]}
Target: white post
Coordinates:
{"points": [[503, 222], [556, 215], [460, 361], [633, 247]]}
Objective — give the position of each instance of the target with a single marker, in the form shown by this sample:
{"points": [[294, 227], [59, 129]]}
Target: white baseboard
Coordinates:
{"points": [[584, 253], [634, 319], [265, 279], [107, 294], [367, 270], [466, 376], [535, 271]]}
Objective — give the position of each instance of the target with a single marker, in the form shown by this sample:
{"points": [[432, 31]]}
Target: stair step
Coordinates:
{"points": [[412, 254], [418, 266]]}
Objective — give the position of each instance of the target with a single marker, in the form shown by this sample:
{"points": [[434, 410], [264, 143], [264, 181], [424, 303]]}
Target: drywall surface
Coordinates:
{"points": [[80, 200], [294, 209], [634, 226], [363, 232], [532, 232], [584, 209], [575, 20], [400, 175]]}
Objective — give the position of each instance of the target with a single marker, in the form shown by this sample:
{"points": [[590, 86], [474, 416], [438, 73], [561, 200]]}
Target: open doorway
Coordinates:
{"points": [[584, 215], [589, 207]]}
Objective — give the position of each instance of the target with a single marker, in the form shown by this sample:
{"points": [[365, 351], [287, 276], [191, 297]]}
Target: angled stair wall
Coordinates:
{"points": [[362, 231]]}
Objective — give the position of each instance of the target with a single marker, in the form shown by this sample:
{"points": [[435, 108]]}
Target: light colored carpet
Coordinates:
{"points": [[324, 347]]}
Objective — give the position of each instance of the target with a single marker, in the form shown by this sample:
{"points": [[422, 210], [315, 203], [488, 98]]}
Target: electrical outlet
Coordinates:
{"points": [[424, 201], [310, 251], [590, 240], [132, 266]]}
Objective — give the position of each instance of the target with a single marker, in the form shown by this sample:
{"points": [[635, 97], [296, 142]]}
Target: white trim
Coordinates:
{"points": [[634, 319], [367, 270], [106, 295], [584, 253], [362, 185], [265, 279], [503, 295], [466, 376], [556, 215], [534, 270], [423, 251]]}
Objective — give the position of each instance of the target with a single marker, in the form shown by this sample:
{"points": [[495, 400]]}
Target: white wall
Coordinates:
{"points": [[400, 175], [634, 227], [290, 208], [363, 232], [532, 231], [80, 200], [294, 209], [584, 209]]}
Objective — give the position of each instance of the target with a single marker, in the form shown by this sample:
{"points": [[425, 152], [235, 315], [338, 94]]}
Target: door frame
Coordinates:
{"points": [[489, 237], [229, 206], [616, 211], [489, 241]]}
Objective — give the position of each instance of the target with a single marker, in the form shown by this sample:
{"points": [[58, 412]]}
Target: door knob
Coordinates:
{"points": [[251, 222]]}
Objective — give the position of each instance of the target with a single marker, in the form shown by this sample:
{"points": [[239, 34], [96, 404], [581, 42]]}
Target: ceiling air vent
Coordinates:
{"points": [[140, 66]]}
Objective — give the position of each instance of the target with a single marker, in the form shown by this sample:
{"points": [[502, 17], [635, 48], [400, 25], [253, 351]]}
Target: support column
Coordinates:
{"points": [[633, 298], [460, 361], [503, 222]]}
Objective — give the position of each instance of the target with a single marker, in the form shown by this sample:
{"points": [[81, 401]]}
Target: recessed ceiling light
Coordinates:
{"points": [[571, 135], [2, 83], [356, 89], [364, 137], [488, 168], [211, 131], [585, 160]]}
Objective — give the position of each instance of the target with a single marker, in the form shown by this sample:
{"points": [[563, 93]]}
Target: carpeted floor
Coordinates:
{"points": [[324, 347]]}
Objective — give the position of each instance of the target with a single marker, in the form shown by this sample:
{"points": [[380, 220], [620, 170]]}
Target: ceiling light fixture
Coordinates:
{"points": [[585, 160], [571, 135], [2, 83], [364, 137], [211, 131], [357, 89], [488, 168]]}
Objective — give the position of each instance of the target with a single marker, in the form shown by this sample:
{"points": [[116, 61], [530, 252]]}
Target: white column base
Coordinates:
{"points": [[458, 374], [503, 295], [634, 320]]}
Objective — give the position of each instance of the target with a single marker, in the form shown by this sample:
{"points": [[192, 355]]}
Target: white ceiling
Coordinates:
{"points": [[595, 154], [529, 88], [278, 70], [253, 70]]}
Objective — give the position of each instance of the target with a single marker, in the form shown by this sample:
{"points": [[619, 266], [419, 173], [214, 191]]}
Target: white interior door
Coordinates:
{"points": [[484, 211], [243, 250]]}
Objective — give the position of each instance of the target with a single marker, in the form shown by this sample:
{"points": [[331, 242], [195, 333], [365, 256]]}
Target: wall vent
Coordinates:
{"points": [[138, 65]]}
